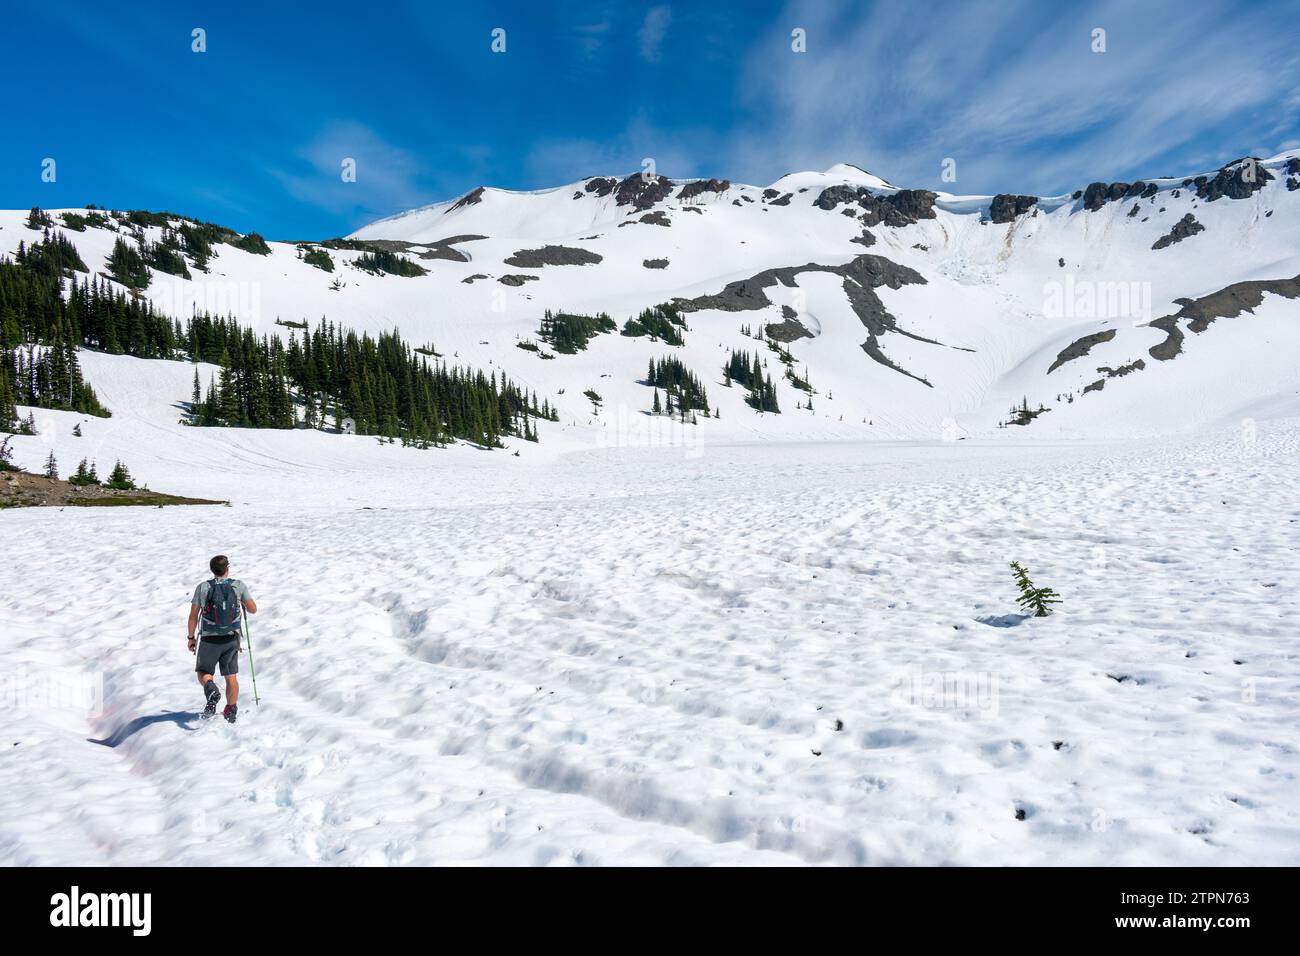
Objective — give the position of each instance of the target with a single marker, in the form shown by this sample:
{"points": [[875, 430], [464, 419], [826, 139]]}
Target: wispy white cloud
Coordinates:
{"points": [[1014, 92], [388, 178], [653, 30], [591, 37]]}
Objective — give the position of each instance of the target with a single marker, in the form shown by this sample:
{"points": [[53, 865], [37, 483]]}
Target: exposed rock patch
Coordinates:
{"points": [[471, 198], [655, 263], [861, 278], [701, 186], [1080, 347], [791, 330], [516, 279], [21, 489], [642, 192], [656, 218], [553, 256], [601, 185], [1228, 303], [1006, 207], [1134, 366], [1239, 179], [1098, 194], [1183, 229], [901, 209], [442, 249]]}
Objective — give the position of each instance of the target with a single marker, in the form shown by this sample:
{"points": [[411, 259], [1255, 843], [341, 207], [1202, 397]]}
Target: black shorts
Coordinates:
{"points": [[217, 650]]}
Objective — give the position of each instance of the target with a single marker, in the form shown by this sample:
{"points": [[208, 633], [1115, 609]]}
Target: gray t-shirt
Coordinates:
{"points": [[201, 597]]}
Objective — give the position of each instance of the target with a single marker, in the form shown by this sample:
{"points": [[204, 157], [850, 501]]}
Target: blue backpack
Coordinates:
{"points": [[221, 612]]}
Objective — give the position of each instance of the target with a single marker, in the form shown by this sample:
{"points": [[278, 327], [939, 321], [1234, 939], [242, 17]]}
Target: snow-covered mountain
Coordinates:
{"points": [[1117, 308]]}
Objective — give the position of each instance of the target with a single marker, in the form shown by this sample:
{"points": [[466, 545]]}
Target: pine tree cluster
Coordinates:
{"points": [[747, 369], [382, 384], [386, 262], [660, 322], [53, 256], [385, 386], [683, 389], [253, 243], [168, 254], [127, 265], [45, 377], [569, 333], [318, 257]]}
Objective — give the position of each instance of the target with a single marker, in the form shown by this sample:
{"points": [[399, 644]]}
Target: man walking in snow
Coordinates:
{"points": [[215, 610]]}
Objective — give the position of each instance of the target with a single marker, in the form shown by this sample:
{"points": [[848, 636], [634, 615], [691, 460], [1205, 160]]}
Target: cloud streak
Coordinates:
{"points": [[654, 28], [1014, 92]]}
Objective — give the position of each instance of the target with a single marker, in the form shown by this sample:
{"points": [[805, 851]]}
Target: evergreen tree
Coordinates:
{"points": [[1033, 599], [84, 475], [51, 466], [120, 478]]}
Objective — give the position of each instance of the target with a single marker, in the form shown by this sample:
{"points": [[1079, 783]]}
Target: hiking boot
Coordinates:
{"points": [[213, 695], [230, 713]]}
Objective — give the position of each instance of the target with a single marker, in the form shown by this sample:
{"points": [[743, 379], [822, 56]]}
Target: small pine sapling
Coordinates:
{"points": [[1032, 599]]}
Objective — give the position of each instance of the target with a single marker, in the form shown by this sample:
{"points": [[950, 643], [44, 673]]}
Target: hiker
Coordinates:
{"points": [[216, 607]]}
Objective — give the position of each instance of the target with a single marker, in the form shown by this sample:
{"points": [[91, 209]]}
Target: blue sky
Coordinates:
{"points": [[252, 132]]}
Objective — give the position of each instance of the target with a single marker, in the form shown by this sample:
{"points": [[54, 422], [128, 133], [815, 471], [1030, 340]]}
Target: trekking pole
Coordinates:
{"points": [[248, 639]]}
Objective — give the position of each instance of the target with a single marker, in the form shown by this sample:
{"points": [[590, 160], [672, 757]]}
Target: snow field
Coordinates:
{"points": [[763, 654]]}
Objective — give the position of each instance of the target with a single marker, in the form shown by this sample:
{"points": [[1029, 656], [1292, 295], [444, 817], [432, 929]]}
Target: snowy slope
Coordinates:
{"points": [[996, 299]]}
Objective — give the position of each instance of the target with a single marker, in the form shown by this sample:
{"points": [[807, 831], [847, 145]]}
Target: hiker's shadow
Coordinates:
{"points": [[132, 727]]}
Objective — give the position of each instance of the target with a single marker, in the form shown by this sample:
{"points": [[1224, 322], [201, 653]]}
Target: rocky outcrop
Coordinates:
{"points": [[656, 218], [900, 209], [1228, 303], [471, 198], [602, 186], [1006, 207], [866, 239], [790, 330], [782, 200], [701, 186], [641, 191], [1121, 371], [655, 263], [1098, 194], [442, 249], [1240, 179], [1183, 229], [516, 280], [1080, 347], [861, 277], [553, 256]]}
